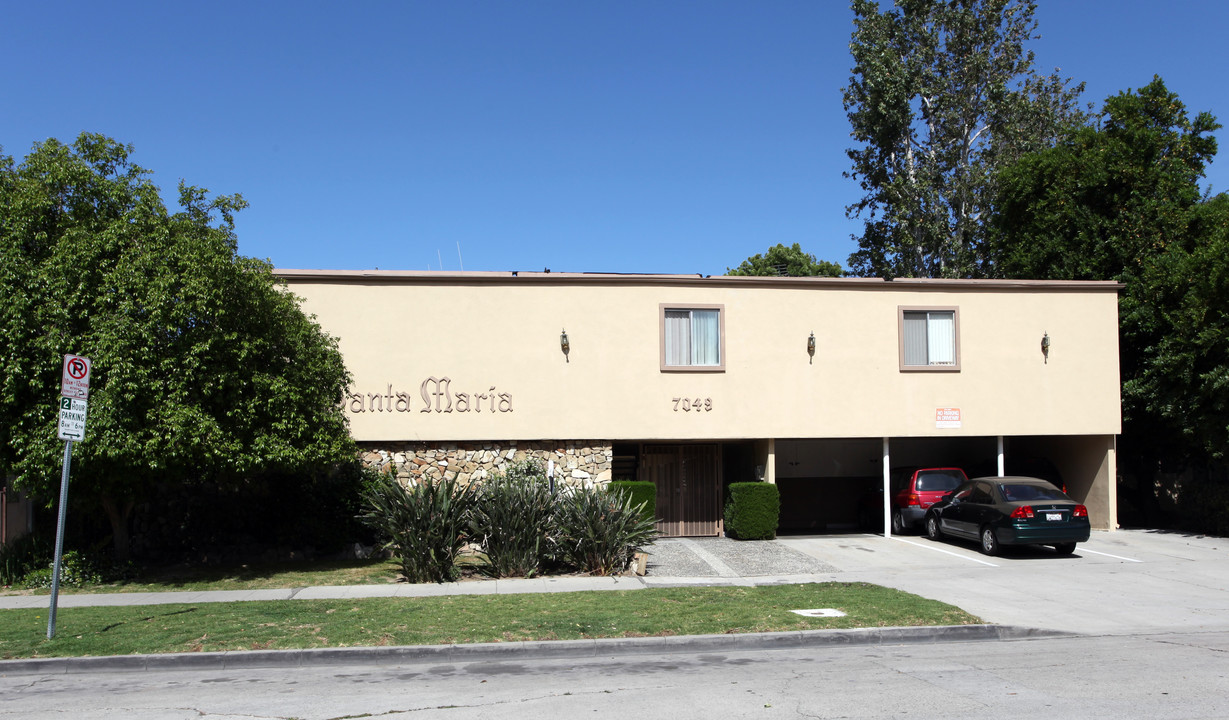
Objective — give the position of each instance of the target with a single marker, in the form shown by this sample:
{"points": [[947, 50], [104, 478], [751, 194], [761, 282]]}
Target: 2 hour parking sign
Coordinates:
{"points": [[72, 419]]}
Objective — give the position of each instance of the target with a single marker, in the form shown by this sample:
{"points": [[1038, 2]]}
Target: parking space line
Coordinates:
{"points": [[1118, 557], [945, 552]]}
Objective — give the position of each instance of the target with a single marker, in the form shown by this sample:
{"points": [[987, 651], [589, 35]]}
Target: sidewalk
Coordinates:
{"points": [[673, 562]]}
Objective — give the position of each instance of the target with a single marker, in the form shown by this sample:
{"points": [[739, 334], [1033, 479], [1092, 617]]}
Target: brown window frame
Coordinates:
{"points": [[900, 337], [661, 332]]}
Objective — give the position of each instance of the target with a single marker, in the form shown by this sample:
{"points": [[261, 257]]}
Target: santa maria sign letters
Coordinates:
{"points": [[437, 396]]}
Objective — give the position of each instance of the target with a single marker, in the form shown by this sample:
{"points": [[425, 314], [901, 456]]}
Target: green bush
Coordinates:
{"points": [[641, 493], [753, 511], [26, 554], [76, 570], [426, 524], [512, 519], [600, 531]]}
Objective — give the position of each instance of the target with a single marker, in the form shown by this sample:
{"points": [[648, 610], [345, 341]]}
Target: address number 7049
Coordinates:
{"points": [[693, 404]]}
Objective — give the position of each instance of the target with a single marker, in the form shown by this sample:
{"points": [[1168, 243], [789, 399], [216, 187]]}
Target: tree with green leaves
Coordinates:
{"points": [[942, 95], [204, 365], [1120, 200], [790, 261], [1106, 201]]}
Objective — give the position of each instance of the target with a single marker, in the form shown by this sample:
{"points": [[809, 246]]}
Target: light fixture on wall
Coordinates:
{"points": [[564, 345], [811, 347], [1045, 346]]}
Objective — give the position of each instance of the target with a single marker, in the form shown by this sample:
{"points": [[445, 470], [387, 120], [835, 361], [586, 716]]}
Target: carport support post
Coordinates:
{"points": [[887, 494], [1002, 459]]}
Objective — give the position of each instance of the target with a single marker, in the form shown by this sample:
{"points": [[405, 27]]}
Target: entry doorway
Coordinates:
{"points": [[688, 481]]}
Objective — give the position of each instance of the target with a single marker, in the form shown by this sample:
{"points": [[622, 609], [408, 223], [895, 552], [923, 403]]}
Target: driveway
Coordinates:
{"points": [[1122, 582]]}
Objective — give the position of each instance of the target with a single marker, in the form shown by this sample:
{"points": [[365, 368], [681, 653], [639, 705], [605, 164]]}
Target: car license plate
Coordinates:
{"points": [[1054, 517]]}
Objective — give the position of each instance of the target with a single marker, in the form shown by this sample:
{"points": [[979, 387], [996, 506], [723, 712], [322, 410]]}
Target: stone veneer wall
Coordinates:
{"points": [[577, 462]]}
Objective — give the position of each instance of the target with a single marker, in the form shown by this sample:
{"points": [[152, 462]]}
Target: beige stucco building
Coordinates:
{"points": [[695, 382]]}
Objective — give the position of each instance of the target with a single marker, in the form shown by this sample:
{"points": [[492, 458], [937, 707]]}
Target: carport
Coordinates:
{"points": [[842, 484]]}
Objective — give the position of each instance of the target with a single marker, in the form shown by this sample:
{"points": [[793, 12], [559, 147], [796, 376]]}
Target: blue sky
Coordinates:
{"points": [[583, 136]]}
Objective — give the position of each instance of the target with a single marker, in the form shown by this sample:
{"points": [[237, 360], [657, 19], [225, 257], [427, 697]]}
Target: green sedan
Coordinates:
{"points": [[997, 511]]}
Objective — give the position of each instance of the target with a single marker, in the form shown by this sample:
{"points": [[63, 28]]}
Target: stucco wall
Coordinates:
{"points": [[496, 338]]}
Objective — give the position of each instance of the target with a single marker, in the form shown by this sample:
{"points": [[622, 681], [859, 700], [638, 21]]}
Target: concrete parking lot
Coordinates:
{"points": [[1121, 582]]}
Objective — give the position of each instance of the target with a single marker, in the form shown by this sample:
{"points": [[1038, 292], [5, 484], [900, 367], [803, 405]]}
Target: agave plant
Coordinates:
{"points": [[600, 531], [512, 520], [426, 524]]}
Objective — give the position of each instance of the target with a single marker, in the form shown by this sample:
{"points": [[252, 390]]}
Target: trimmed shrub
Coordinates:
{"points": [[601, 531], [641, 493], [426, 524], [512, 519], [753, 511]]}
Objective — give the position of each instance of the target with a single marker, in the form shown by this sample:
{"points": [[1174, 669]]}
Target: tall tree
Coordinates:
{"points": [[943, 94], [1106, 201], [1120, 200], [791, 261], [204, 365]]}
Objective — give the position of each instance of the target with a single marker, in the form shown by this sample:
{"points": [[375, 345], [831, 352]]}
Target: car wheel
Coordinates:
{"points": [[898, 523], [932, 527], [1064, 548], [989, 541]]}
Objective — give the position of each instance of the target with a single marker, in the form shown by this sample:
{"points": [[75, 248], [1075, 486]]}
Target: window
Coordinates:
{"points": [[692, 338], [982, 495], [929, 339]]}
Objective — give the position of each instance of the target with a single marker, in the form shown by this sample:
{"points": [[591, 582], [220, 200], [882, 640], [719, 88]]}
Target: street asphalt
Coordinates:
{"points": [[1120, 582]]}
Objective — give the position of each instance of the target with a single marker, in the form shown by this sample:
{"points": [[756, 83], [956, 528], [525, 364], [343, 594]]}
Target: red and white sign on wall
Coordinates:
{"points": [[76, 377], [947, 417]]}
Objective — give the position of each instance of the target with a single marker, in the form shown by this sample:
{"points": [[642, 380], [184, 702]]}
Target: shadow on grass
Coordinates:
{"points": [[112, 626]]}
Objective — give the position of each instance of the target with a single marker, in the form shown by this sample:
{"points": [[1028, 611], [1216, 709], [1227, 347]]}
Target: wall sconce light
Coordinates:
{"points": [[811, 347], [1045, 346], [564, 345]]}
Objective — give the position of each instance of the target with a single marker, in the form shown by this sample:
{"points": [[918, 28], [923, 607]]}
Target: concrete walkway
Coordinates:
{"points": [[673, 562]]}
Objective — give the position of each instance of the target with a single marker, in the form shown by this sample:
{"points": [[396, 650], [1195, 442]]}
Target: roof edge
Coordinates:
{"points": [[557, 278]]}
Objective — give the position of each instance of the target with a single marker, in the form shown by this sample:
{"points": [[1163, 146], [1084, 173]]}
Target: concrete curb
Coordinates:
{"points": [[534, 650]]}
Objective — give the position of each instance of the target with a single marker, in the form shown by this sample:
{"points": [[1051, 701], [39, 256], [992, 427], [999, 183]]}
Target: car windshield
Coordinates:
{"points": [[939, 480], [1013, 492]]}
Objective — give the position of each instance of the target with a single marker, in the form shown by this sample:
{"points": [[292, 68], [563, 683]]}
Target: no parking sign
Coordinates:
{"points": [[75, 380]]}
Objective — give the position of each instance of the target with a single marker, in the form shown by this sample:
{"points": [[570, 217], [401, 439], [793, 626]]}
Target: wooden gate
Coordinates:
{"points": [[688, 480]]}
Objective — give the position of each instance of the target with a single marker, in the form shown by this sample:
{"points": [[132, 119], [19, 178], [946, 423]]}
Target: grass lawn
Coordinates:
{"points": [[249, 576], [289, 624]]}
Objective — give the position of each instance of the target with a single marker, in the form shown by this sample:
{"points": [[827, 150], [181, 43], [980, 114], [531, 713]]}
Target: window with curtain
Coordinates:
{"points": [[691, 338], [928, 339]]}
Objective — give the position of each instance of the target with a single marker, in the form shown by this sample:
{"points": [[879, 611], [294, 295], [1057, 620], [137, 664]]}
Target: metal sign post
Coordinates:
{"points": [[59, 539], [74, 395]]}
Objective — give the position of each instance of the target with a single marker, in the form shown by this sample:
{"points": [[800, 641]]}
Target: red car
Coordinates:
{"points": [[914, 490]]}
